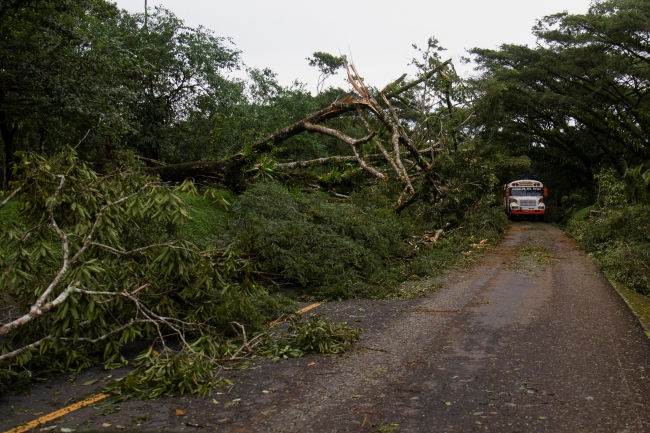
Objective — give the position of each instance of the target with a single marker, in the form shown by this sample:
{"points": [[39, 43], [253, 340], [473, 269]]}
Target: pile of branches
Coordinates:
{"points": [[88, 266]]}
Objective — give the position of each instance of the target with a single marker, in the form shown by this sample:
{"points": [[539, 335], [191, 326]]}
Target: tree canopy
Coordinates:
{"points": [[579, 99]]}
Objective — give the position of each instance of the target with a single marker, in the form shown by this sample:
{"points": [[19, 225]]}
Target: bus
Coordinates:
{"points": [[524, 199]]}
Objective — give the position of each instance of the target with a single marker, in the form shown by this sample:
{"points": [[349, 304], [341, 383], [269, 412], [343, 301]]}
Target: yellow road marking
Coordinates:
{"points": [[302, 310], [59, 413], [309, 307]]}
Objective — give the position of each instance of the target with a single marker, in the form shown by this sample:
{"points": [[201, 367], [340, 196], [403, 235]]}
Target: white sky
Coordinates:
{"points": [[378, 35]]}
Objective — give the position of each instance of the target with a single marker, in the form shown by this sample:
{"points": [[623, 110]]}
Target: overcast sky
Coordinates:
{"points": [[377, 34]]}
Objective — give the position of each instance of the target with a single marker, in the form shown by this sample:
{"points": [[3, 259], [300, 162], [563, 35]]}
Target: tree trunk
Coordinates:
{"points": [[193, 170], [229, 171], [8, 133]]}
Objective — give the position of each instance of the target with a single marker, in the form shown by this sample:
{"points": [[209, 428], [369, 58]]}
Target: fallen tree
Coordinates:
{"points": [[387, 118], [87, 267]]}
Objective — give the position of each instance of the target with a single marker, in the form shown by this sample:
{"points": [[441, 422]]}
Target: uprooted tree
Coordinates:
{"points": [[405, 125]]}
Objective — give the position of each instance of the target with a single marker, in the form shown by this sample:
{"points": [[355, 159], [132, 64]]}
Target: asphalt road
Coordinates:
{"points": [[531, 338]]}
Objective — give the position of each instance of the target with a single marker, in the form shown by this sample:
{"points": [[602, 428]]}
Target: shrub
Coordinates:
{"points": [[617, 233]]}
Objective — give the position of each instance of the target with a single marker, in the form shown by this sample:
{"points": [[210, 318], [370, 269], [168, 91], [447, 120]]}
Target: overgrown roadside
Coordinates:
{"points": [[616, 232]]}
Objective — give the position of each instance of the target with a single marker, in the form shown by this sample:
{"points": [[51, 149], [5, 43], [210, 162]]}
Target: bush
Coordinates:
{"points": [[617, 233], [358, 247]]}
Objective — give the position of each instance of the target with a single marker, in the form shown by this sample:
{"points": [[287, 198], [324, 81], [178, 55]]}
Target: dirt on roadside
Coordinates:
{"points": [[531, 338]]}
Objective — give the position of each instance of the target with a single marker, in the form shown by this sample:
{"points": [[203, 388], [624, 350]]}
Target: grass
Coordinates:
{"points": [[639, 304], [581, 215], [208, 220]]}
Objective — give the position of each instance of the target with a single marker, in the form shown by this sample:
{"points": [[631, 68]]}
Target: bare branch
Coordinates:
{"points": [[353, 81], [12, 195], [338, 134], [323, 161], [366, 167], [402, 195], [137, 250], [352, 142], [334, 110], [414, 83], [398, 160], [378, 143], [37, 311], [404, 139], [470, 117], [389, 158], [407, 203], [17, 352], [82, 140], [64, 253], [107, 335]]}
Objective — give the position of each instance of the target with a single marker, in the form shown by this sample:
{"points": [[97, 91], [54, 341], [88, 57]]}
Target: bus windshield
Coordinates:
{"points": [[526, 191]]}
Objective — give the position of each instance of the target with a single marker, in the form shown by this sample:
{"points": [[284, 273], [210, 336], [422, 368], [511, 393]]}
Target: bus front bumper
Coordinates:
{"points": [[527, 211]]}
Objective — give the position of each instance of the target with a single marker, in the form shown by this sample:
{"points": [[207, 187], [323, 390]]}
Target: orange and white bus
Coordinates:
{"points": [[525, 199]]}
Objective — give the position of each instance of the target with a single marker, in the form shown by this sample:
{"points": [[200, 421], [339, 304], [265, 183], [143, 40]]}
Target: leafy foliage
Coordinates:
{"points": [[336, 249], [181, 91], [617, 233], [83, 278], [310, 336], [63, 71]]}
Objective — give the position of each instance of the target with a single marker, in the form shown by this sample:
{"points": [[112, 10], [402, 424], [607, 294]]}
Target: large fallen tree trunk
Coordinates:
{"points": [[373, 111], [228, 171]]}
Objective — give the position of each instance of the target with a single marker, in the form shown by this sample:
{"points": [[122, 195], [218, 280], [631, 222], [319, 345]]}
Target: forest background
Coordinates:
{"points": [[150, 200]]}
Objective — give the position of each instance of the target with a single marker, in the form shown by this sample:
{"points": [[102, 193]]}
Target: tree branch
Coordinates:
{"points": [[12, 195], [323, 161], [414, 83]]}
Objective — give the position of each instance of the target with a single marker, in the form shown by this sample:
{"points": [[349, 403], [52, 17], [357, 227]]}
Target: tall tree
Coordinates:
{"points": [[62, 71], [327, 64], [579, 99], [184, 80]]}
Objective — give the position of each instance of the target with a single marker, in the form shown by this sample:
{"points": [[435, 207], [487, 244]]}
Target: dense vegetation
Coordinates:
{"points": [[577, 105], [150, 197]]}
